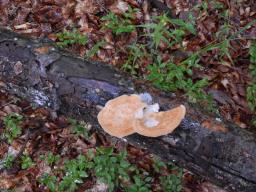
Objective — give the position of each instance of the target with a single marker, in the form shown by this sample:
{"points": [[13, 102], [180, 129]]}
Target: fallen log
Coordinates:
{"points": [[205, 144]]}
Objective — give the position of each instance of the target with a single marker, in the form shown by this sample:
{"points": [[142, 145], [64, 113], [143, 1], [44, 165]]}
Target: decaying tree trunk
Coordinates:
{"points": [[208, 146]]}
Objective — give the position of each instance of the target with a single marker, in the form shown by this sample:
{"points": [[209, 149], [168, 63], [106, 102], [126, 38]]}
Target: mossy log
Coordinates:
{"points": [[204, 144]]}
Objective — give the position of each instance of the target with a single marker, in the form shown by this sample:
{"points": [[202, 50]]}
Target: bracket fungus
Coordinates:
{"points": [[155, 124], [128, 114], [117, 117]]}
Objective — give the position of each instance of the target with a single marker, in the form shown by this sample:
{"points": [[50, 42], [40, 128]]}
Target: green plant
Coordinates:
{"points": [[172, 181], [224, 31], [217, 5], [254, 121], [110, 168], [203, 6], [224, 49], [251, 96], [158, 165], [67, 38], [194, 90], [252, 66], [185, 26], [12, 128], [159, 30], [50, 181], [26, 162], [107, 166], [135, 52], [223, 37], [79, 128], [120, 25], [171, 77], [75, 172], [8, 161], [167, 76], [138, 185], [251, 90], [95, 49], [50, 158]]}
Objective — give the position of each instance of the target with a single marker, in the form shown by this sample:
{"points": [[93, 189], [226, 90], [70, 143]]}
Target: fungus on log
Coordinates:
{"points": [[157, 124], [126, 115], [117, 117], [203, 143]]}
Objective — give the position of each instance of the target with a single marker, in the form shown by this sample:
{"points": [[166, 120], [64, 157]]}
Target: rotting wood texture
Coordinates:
{"points": [[217, 150]]}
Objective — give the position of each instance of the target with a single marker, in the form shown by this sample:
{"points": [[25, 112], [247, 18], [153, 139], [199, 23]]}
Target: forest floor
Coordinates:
{"points": [[204, 51]]}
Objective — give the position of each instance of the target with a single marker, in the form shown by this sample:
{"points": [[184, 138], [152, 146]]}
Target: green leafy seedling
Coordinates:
{"points": [[26, 162], [253, 60], [138, 186], [224, 49], [186, 26], [194, 90], [75, 172], [12, 128], [173, 181], [8, 161], [79, 128], [109, 167], [170, 182], [135, 52], [120, 25], [50, 181], [95, 49], [158, 164], [251, 96], [171, 77], [50, 158], [167, 76], [251, 90], [67, 38], [160, 31], [218, 5]]}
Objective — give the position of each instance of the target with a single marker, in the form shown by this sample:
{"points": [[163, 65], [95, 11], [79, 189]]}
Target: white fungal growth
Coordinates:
{"points": [[146, 98], [144, 112], [148, 109], [139, 114], [150, 123], [151, 109]]}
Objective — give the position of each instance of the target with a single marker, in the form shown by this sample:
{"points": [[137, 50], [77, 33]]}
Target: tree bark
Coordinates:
{"points": [[205, 144]]}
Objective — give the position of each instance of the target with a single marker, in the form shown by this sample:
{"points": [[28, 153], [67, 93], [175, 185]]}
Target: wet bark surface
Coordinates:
{"points": [[203, 143]]}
